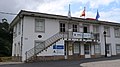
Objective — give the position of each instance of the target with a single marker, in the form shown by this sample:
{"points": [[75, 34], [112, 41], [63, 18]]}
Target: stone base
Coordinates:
{"points": [[93, 56], [82, 56], [46, 58], [74, 57], [16, 58]]}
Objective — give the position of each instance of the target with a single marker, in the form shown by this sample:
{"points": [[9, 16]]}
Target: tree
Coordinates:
{"points": [[5, 39]]}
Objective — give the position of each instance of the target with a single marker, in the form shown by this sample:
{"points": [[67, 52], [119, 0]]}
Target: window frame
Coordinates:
{"points": [[97, 49], [37, 41], [41, 20], [19, 28], [74, 27], [95, 29], [116, 49], [117, 32], [107, 30], [62, 28], [15, 50]]}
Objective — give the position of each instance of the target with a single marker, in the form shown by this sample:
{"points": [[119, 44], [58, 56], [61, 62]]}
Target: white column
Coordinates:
{"points": [[91, 28], [80, 27], [92, 50], [102, 43], [82, 49]]}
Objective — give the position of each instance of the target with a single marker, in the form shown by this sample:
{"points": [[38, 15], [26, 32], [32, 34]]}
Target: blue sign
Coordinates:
{"points": [[58, 47]]}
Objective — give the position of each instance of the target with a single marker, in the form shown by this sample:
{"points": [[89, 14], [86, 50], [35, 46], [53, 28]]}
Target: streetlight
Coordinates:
{"points": [[105, 43]]}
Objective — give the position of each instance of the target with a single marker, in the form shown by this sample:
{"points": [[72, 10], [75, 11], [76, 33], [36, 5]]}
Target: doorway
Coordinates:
{"points": [[87, 50], [85, 29]]}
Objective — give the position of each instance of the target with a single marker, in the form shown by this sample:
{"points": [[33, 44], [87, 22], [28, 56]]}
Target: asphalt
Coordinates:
{"points": [[106, 63], [61, 63]]}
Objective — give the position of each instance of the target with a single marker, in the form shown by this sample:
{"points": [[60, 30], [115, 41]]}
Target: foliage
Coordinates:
{"points": [[5, 40]]}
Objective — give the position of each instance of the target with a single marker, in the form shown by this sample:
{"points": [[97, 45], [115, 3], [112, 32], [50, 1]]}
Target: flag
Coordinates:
{"points": [[69, 13], [83, 13], [97, 16]]}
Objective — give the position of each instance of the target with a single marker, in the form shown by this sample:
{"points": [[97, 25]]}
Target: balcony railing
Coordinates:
{"points": [[81, 35]]}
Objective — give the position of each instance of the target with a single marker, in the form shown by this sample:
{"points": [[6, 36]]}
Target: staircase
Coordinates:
{"points": [[32, 53]]}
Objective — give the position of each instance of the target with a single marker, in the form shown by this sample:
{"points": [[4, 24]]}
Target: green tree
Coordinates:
{"points": [[5, 39]]}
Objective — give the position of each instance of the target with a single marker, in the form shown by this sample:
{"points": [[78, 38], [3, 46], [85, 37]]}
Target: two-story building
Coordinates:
{"points": [[41, 36]]}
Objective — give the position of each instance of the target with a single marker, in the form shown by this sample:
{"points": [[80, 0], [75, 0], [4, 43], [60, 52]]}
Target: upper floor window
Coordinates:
{"points": [[19, 28], [15, 31], [117, 32], [95, 29], [86, 28], [75, 27], [62, 27], [107, 30], [39, 25]]}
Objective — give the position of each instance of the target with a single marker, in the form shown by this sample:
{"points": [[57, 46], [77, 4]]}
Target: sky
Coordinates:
{"points": [[109, 10]]}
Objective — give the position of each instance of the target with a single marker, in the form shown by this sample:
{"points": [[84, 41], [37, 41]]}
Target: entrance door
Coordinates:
{"points": [[108, 48], [87, 50]]}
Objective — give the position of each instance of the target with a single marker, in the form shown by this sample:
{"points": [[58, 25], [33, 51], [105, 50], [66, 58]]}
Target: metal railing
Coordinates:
{"points": [[30, 54]]}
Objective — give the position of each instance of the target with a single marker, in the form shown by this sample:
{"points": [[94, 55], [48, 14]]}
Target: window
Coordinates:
{"points": [[76, 48], [95, 29], [62, 27], [38, 48], [19, 28], [74, 28], [86, 28], [118, 48], [97, 49], [39, 25], [15, 32], [18, 49], [14, 49], [117, 32], [107, 30]]}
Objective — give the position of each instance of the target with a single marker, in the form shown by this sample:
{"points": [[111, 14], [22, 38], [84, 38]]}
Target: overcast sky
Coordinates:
{"points": [[109, 10]]}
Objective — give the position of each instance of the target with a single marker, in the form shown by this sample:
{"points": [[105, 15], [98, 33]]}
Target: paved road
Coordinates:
{"points": [[62, 63], [107, 63]]}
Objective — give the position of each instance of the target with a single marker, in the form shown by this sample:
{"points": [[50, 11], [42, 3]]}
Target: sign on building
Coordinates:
{"points": [[58, 47], [81, 35]]}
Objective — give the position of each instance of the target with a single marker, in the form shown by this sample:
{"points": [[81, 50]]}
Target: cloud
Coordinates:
{"points": [[112, 15], [60, 7]]}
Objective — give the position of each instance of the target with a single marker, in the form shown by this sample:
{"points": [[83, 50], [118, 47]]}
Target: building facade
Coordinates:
{"points": [[40, 36]]}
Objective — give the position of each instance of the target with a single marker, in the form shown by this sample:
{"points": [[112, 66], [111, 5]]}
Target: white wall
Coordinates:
{"points": [[16, 40], [109, 40], [50, 50], [51, 28], [29, 34]]}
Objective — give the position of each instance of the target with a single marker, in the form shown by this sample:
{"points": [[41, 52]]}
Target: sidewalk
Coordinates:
{"points": [[4, 63], [106, 63]]}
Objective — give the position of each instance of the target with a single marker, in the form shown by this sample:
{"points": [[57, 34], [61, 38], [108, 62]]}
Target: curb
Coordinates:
{"points": [[7, 63]]}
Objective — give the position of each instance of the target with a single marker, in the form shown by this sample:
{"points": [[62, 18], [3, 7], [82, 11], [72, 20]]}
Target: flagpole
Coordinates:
{"points": [[84, 11], [67, 42]]}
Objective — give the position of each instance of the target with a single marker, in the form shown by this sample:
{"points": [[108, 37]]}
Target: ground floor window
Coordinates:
{"points": [[118, 48], [39, 45], [14, 49], [76, 48], [97, 49]]}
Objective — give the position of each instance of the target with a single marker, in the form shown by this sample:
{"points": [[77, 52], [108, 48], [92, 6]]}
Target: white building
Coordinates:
{"points": [[40, 36]]}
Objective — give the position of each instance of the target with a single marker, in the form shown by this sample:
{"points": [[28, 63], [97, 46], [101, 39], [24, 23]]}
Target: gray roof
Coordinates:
{"points": [[23, 13]]}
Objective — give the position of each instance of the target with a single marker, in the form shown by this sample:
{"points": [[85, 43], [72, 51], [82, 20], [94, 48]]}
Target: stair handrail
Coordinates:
{"points": [[59, 35]]}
